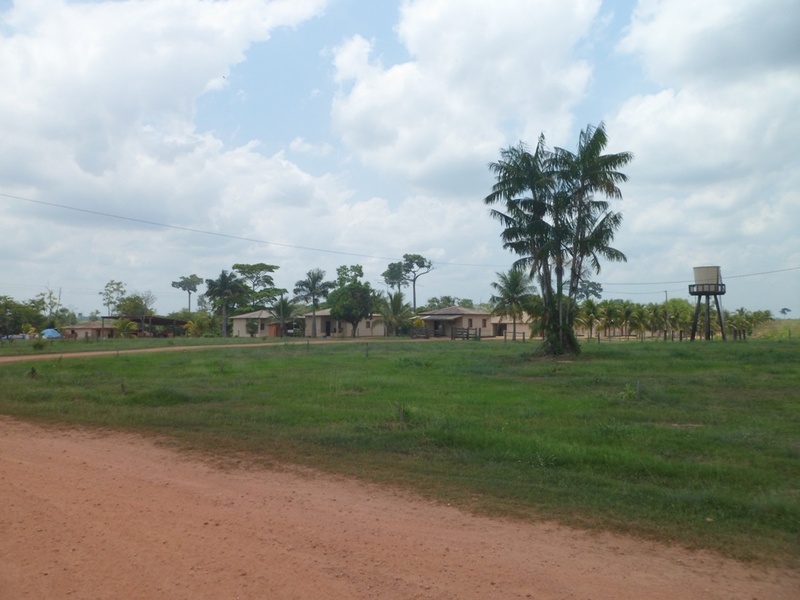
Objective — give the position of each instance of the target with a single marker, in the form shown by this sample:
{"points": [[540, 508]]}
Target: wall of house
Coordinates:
{"points": [[325, 323], [265, 329]]}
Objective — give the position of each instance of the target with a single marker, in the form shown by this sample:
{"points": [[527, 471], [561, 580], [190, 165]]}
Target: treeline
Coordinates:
{"points": [[625, 318]]}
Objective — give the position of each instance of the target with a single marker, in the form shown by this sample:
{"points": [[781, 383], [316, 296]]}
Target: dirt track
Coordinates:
{"points": [[92, 516]]}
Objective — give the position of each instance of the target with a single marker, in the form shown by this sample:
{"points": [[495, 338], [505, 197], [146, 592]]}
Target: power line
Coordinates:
{"points": [[337, 252], [227, 235]]}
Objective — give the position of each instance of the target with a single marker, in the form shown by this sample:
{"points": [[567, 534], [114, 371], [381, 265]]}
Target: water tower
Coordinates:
{"points": [[707, 282]]}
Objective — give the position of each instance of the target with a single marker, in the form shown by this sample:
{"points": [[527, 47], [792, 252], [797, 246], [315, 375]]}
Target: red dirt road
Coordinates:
{"points": [[91, 516]]}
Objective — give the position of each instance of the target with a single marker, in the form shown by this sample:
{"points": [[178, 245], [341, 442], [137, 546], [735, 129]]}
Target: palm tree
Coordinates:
{"points": [[310, 290], [532, 221], [553, 221], [126, 327], [225, 292], [284, 310], [514, 292], [395, 312], [589, 315], [582, 175]]}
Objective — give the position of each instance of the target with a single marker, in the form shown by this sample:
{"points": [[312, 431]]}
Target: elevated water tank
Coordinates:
{"points": [[707, 276], [707, 280]]}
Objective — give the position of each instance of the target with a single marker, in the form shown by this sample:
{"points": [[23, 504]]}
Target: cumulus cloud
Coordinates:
{"points": [[714, 172], [481, 75]]}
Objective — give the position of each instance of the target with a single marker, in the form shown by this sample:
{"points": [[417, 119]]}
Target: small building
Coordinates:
{"points": [[259, 324], [90, 330], [503, 326], [327, 326], [445, 322]]}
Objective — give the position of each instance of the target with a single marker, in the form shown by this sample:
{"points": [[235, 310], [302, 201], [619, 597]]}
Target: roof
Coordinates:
{"points": [[256, 314], [150, 320], [454, 311]]}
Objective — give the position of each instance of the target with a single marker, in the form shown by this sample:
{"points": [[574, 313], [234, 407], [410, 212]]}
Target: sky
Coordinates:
{"points": [[146, 140]]}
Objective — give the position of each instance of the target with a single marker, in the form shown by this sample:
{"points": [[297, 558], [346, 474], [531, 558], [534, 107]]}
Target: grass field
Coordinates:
{"points": [[689, 443]]}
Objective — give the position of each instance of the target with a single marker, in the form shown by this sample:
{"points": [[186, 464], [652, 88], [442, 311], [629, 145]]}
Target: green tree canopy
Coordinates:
{"points": [[553, 208], [353, 302], [188, 284], [225, 292], [259, 278], [111, 294]]}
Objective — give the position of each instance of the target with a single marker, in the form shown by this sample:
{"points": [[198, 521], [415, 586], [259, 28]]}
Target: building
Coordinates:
{"points": [[327, 326]]}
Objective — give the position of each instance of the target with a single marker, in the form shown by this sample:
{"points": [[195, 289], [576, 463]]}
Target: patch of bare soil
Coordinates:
{"points": [[84, 515]]}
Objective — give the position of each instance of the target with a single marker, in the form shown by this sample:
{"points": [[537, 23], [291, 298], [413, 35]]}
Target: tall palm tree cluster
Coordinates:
{"points": [[553, 205], [611, 318]]}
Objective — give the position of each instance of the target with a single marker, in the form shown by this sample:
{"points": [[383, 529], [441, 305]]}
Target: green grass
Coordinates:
{"points": [[689, 443]]}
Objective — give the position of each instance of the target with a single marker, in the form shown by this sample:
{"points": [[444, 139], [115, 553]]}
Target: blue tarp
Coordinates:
{"points": [[50, 334]]}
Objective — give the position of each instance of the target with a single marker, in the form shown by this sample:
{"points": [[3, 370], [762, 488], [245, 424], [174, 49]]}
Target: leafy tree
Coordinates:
{"points": [[414, 267], [514, 294], [395, 276], [112, 294], [438, 302], [137, 305], [555, 222], [353, 302], [188, 284], [346, 275], [259, 278], [589, 289], [225, 292], [49, 303], [407, 271], [310, 290]]}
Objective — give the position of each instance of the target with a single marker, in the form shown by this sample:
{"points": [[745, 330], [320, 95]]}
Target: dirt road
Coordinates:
{"points": [[91, 516]]}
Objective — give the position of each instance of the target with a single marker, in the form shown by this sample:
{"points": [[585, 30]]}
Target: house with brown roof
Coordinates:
{"points": [[447, 322]]}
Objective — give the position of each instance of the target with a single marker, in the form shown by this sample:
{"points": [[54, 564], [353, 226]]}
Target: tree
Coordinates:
{"points": [[395, 276], [284, 310], [137, 305], [395, 312], [126, 327], [111, 294], [188, 284], [225, 292], [438, 302], [310, 290], [407, 271], [414, 267], [353, 303], [554, 222], [346, 275], [514, 292], [260, 281]]}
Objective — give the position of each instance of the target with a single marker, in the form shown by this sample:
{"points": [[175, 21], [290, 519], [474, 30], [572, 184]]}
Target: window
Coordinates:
{"points": [[469, 322], [369, 325], [262, 325], [484, 323]]}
